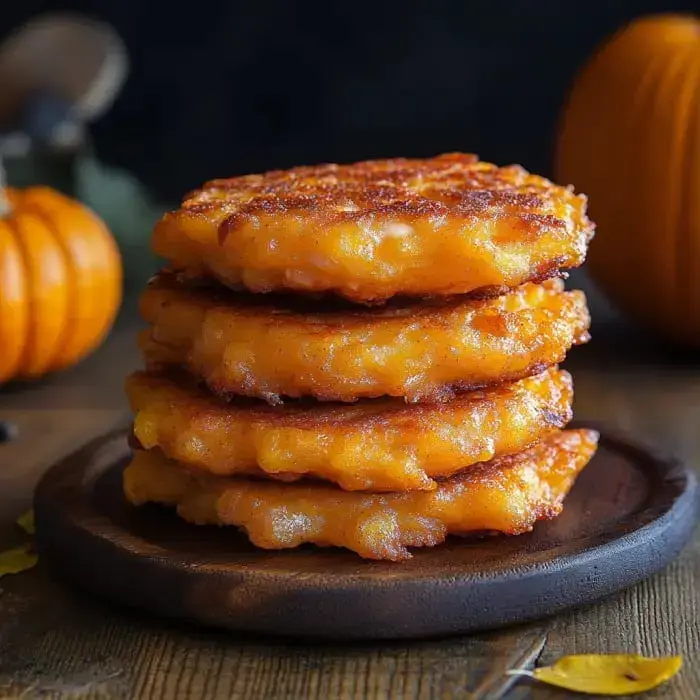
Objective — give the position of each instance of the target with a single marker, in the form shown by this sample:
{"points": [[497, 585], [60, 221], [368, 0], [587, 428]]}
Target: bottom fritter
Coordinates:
{"points": [[505, 495]]}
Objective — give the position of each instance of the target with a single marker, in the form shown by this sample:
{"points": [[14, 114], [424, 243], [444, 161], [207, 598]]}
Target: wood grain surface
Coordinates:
{"points": [[57, 643]]}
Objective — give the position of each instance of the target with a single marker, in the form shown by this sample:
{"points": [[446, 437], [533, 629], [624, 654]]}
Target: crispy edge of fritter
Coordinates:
{"points": [[409, 446], [527, 487], [310, 323], [455, 190]]}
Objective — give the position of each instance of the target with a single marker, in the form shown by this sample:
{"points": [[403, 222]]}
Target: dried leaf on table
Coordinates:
{"points": [[607, 674], [14, 561]]}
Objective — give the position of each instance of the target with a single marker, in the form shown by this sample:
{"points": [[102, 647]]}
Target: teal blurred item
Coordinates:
{"points": [[128, 211]]}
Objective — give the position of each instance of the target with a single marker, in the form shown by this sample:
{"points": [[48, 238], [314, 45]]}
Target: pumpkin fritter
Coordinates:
{"points": [[506, 495], [381, 445], [249, 345], [371, 230]]}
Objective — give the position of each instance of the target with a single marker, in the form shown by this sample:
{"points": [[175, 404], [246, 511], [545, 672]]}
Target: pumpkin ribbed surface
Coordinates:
{"points": [[60, 282], [628, 139]]}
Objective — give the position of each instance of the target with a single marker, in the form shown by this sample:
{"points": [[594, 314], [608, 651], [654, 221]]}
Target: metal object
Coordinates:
{"points": [[59, 73]]}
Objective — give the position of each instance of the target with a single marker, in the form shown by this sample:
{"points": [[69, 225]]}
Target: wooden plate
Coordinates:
{"points": [[628, 516]]}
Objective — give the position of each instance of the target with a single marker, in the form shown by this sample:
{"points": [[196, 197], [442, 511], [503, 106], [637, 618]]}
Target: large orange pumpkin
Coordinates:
{"points": [[630, 139], [60, 282]]}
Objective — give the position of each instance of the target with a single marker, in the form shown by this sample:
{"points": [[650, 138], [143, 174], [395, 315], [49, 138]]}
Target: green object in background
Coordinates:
{"points": [[30, 168], [127, 210], [112, 194]]}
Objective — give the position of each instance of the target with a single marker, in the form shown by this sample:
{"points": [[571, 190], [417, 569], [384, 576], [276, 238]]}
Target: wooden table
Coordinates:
{"points": [[55, 642]]}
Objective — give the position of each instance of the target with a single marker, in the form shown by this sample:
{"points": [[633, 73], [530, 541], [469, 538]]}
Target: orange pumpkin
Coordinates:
{"points": [[630, 139], [60, 282]]}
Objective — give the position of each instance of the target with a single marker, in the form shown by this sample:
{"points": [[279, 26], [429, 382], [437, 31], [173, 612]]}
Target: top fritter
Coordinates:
{"points": [[372, 230]]}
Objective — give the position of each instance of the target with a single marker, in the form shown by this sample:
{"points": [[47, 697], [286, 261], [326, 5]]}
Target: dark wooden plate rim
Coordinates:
{"points": [[679, 490], [645, 515]]}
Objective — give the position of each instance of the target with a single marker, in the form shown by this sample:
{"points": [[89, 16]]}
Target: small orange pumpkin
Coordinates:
{"points": [[630, 139], [60, 282]]}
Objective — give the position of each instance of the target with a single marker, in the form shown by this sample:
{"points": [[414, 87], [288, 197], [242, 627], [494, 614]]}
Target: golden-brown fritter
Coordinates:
{"points": [[252, 346], [371, 230], [380, 445], [507, 495]]}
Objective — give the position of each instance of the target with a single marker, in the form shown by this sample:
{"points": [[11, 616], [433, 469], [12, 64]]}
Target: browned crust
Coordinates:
{"points": [[439, 394], [545, 449], [310, 308], [329, 299], [545, 273], [372, 445], [335, 229], [549, 448], [507, 495], [452, 184], [334, 320], [324, 312], [307, 414]]}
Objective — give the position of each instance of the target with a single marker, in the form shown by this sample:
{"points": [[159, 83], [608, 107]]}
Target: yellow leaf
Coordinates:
{"points": [[14, 561], [607, 674], [26, 522]]}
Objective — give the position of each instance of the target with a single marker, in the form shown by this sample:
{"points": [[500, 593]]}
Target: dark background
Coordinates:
{"points": [[222, 88]]}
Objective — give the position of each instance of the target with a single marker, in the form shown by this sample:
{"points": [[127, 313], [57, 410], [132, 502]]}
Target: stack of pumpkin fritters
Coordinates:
{"points": [[363, 355]]}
